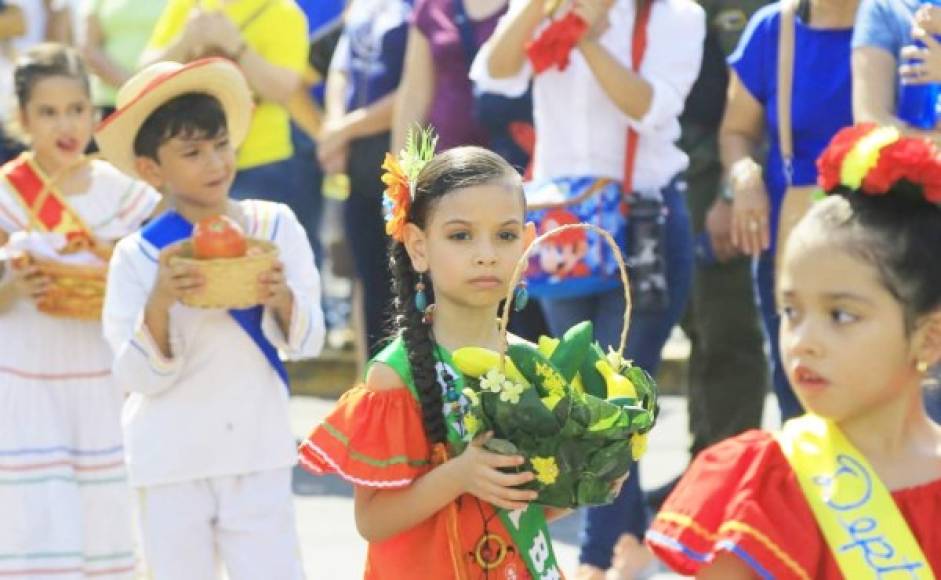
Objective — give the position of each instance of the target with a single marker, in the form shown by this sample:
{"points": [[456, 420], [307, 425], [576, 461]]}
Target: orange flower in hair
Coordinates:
{"points": [[398, 197], [400, 177]]}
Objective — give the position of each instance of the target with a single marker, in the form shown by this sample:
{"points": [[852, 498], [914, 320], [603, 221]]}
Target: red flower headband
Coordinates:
{"points": [[873, 159]]}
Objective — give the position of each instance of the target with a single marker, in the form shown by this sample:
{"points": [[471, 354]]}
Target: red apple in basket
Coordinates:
{"points": [[218, 237]]}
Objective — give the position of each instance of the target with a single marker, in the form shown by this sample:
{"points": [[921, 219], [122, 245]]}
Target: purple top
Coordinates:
{"points": [[452, 102]]}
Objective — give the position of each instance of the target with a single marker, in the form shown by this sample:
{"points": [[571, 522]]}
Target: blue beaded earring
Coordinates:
{"points": [[421, 299], [520, 297]]}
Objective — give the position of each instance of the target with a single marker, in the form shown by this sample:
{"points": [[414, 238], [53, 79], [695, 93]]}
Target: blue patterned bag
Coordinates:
{"points": [[575, 263]]}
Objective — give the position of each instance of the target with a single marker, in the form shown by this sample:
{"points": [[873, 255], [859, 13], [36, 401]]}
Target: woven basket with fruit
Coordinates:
{"points": [[229, 262]]}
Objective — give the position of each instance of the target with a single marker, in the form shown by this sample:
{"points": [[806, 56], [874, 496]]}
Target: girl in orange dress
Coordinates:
{"points": [[458, 231], [853, 489]]}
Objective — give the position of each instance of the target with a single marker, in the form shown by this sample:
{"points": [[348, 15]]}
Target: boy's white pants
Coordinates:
{"points": [[246, 521]]}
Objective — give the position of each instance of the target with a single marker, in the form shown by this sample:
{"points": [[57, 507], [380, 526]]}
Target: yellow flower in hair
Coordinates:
{"points": [[547, 471]]}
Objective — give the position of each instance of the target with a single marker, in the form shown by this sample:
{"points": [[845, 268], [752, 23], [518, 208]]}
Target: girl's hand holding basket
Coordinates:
{"points": [[29, 279], [479, 473]]}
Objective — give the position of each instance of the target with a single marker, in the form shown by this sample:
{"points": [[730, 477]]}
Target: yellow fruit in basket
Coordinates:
{"points": [[617, 384], [547, 345], [475, 362]]}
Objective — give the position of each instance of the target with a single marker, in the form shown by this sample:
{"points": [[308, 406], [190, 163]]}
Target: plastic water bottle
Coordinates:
{"points": [[918, 104]]}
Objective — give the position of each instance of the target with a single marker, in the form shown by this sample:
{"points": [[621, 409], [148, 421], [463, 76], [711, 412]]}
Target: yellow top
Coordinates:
{"points": [[276, 30]]}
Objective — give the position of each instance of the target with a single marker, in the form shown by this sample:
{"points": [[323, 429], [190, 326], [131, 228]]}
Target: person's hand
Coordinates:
{"points": [[30, 280], [174, 281], [595, 14], [928, 18], [750, 229], [333, 142], [719, 228], [222, 33], [479, 473], [336, 163], [273, 289], [193, 36], [922, 64]]}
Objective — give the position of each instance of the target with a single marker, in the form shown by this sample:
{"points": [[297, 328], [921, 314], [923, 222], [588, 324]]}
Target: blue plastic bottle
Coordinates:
{"points": [[918, 104]]}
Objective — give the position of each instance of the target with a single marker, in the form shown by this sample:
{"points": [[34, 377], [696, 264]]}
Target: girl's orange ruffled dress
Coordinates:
{"points": [[376, 439]]}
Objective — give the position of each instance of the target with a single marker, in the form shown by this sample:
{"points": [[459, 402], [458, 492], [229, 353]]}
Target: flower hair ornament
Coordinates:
{"points": [[872, 160], [400, 176]]}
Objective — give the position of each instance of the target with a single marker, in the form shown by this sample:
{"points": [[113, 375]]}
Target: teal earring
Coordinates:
{"points": [[421, 299], [520, 297]]}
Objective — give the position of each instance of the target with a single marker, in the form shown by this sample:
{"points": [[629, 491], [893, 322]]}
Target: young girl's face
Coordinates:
{"points": [[843, 338], [472, 242], [59, 120]]}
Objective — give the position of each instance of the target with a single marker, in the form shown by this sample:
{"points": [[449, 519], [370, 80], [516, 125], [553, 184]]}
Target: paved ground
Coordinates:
{"points": [[333, 550]]}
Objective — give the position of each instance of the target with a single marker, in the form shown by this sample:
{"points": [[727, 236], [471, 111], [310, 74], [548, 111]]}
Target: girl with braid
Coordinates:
{"points": [[458, 230]]}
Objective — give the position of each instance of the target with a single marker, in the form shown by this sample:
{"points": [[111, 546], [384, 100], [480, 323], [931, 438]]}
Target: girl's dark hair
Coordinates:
{"points": [[46, 60], [190, 115], [899, 233], [449, 171]]}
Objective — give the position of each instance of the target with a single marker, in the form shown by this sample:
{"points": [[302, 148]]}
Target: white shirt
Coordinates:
{"points": [[216, 407], [580, 131]]}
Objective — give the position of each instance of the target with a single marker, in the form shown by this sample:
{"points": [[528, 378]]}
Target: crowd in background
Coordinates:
{"points": [[337, 85]]}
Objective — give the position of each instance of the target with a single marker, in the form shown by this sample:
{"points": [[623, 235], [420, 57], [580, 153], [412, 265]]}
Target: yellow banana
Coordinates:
{"points": [[475, 362], [618, 385], [547, 345]]}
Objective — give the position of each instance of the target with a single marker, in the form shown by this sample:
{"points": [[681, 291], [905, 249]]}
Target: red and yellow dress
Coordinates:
{"points": [[742, 497], [376, 439]]}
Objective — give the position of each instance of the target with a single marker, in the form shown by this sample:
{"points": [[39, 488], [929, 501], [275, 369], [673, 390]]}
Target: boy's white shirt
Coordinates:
{"points": [[216, 407]]}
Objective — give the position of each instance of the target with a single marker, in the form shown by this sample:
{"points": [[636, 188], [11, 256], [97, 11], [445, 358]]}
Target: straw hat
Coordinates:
{"points": [[153, 86]]}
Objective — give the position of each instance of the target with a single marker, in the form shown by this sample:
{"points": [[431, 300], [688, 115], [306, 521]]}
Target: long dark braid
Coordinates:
{"points": [[454, 169], [418, 342]]}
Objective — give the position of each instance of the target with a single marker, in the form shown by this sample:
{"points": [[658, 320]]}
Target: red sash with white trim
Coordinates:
{"points": [[45, 205]]}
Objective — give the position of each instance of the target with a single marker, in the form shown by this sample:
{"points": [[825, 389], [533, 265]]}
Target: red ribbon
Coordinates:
{"points": [[556, 42]]}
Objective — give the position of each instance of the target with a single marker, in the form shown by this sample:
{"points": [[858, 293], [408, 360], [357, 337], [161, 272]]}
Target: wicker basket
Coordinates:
{"points": [[75, 291], [229, 282]]}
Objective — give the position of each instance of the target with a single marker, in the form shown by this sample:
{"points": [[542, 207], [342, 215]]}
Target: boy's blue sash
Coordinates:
{"points": [[172, 227]]}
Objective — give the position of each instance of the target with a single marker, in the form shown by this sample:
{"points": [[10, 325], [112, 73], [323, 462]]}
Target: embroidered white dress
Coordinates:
{"points": [[64, 499]]}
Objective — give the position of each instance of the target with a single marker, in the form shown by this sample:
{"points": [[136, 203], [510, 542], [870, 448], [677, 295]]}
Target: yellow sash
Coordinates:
{"points": [[867, 535]]}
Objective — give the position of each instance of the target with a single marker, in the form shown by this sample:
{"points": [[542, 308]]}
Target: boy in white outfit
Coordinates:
{"points": [[206, 423]]}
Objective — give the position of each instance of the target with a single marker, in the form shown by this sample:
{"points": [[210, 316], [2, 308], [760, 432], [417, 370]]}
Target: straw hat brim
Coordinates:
{"points": [[217, 77]]}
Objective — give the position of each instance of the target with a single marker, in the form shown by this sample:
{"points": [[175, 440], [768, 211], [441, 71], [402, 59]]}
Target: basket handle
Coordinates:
{"points": [[524, 261]]}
